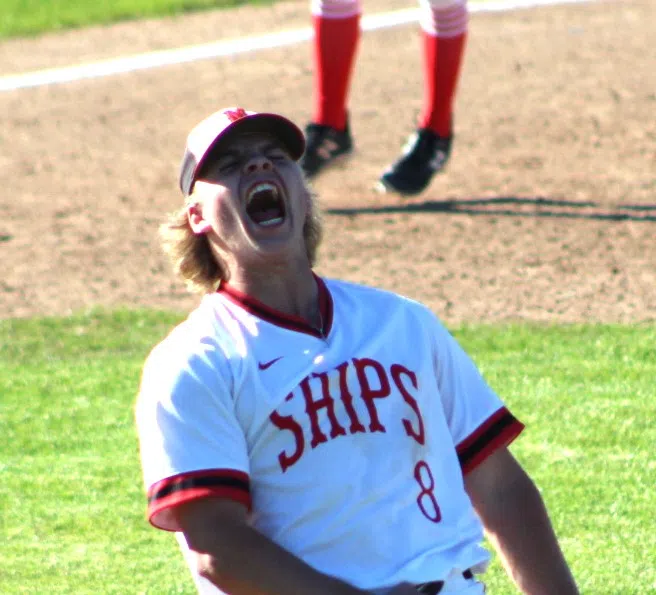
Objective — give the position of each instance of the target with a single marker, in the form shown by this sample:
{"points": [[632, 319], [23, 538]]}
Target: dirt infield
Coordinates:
{"points": [[547, 211]]}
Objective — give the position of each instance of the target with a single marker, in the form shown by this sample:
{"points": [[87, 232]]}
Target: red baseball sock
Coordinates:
{"points": [[335, 46], [442, 60]]}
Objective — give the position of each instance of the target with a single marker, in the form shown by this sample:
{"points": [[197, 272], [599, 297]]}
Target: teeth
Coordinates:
{"points": [[263, 187], [271, 222]]}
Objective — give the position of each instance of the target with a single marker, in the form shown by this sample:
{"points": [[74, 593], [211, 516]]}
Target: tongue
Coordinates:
{"points": [[265, 215]]}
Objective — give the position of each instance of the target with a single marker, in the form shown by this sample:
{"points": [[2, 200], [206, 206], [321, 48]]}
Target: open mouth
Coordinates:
{"points": [[264, 204]]}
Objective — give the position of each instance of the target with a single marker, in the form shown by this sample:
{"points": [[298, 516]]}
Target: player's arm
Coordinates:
{"points": [[517, 523], [240, 560]]}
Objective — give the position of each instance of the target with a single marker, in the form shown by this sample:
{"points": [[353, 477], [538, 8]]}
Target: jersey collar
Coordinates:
{"points": [[294, 323]]}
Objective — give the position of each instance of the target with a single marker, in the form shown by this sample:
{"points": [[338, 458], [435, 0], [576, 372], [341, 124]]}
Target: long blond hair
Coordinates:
{"points": [[201, 268]]}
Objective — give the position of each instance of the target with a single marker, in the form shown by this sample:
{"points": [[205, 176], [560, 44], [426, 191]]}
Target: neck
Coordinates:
{"points": [[291, 289]]}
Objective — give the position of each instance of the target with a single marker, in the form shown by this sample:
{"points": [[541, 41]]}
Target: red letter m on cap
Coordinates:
{"points": [[235, 114]]}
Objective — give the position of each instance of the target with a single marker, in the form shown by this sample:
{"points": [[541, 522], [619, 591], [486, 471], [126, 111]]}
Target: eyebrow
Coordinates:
{"points": [[228, 154]]}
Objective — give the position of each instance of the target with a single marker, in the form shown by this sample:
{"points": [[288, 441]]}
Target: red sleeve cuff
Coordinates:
{"points": [[497, 431], [167, 494]]}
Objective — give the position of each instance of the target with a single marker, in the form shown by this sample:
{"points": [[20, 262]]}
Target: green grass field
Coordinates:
{"points": [[73, 518], [31, 17]]}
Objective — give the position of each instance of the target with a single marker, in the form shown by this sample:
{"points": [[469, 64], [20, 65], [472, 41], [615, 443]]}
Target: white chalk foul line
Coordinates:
{"points": [[231, 47]]}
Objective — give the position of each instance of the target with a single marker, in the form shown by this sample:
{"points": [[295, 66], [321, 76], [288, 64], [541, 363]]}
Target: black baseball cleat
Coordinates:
{"points": [[324, 144], [424, 155]]}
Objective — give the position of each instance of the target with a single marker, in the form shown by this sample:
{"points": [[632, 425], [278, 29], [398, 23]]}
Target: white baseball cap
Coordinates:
{"points": [[221, 127]]}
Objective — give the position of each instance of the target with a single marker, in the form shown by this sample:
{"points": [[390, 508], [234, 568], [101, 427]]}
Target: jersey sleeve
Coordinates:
{"points": [[477, 418], [191, 444]]}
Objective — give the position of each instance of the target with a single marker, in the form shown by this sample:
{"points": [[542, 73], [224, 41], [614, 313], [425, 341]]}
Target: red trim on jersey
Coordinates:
{"points": [[167, 494], [294, 323], [498, 430]]}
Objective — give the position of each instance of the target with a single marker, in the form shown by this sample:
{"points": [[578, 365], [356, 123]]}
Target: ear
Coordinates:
{"points": [[196, 221]]}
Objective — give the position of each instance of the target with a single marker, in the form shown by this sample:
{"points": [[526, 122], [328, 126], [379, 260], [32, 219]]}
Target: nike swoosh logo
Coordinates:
{"points": [[268, 364]]}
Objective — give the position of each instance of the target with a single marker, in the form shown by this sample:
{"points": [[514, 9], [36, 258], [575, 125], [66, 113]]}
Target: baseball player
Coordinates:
{"points": [[336, 26], [307, 435]]}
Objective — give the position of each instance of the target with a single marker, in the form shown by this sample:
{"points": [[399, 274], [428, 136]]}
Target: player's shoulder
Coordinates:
{"points": [[340, 287], [194, 353], [197, 335], [379, 298]]}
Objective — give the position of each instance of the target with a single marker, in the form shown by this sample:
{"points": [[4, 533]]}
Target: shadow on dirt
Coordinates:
{"points": [[511, 206]]}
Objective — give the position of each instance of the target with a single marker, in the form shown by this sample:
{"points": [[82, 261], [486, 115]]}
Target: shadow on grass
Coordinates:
{"points": [[511, 207]]}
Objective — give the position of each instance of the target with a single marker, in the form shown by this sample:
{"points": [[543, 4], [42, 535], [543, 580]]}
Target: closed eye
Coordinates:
{"points": [[277, 155], [227, 165]]}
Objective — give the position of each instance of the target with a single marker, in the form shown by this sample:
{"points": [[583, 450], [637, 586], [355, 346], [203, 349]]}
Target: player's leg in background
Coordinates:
{"points": [[336, 26], [444, 25]]}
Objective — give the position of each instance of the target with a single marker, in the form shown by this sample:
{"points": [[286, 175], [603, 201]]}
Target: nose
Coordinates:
{"points": [[257, 163]]}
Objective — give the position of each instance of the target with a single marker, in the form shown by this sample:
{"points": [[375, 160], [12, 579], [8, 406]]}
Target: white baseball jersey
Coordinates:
{"points": [[348, 443]]}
